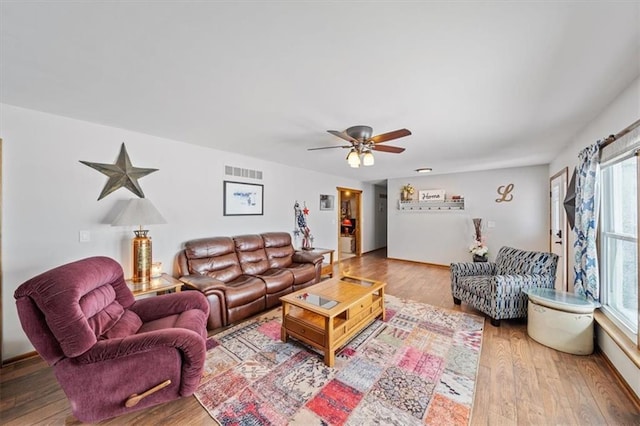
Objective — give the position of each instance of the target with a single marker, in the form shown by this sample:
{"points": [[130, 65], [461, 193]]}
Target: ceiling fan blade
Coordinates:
{"points": [[343, 136], [330, 147], [387, 148], [384, 137]]}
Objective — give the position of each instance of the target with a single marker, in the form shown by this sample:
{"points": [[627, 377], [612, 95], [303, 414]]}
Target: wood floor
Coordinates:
{"points": [[520, 382]]}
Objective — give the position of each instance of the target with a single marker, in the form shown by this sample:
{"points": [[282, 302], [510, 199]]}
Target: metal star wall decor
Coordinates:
{"points": [[121, 174]]}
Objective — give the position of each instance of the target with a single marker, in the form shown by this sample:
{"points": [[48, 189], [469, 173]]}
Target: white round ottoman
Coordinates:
{"points": [[562, 321]]}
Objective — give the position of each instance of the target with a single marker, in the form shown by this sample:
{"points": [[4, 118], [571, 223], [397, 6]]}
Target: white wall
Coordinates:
{"points": [[442, 237], [623, 111], [48, 196]]}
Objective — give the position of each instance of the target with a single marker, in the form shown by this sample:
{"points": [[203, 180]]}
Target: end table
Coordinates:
{"points": [[327, 268], [163, 283]]}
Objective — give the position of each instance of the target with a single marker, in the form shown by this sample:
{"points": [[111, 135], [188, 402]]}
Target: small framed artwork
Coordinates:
{"points": [[326, 202], [243, 199]]}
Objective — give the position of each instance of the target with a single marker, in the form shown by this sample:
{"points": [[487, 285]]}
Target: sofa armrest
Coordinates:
{"points": [[169, 304], [203, 283], [307, 257], [190, 344], [514, 284]]}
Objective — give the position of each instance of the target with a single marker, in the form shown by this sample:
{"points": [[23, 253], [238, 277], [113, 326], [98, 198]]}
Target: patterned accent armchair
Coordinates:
{"points": [[495, 288]]}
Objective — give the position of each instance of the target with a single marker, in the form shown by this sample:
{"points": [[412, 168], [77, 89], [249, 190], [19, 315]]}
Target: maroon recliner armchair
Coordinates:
{"points": [[113, 354]]}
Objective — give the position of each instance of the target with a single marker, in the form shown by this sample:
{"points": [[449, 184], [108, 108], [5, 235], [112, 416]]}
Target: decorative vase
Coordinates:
{"points": [[477, 224], [477, 258], [404, 196]]}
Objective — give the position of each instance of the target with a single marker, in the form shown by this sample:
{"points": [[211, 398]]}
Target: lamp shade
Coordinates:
{"points": [[367, 159], [346, 222], [139, 211], [353, 158]]}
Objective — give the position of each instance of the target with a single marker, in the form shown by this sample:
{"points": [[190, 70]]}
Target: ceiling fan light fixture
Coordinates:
{"points": [[353, 158], [367, 159], [362, 143]]}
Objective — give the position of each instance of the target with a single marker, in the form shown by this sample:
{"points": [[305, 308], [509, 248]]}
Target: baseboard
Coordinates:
{"points": [[624, 343], [373, 251], [437, 265], [19, 358], [623, 383]]}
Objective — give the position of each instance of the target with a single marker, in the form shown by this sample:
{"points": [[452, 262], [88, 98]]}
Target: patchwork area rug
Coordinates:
{"points": [[417, 367]]}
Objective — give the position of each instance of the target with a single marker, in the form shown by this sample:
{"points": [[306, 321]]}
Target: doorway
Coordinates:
{"points": [[558, 232], [349, 223]]}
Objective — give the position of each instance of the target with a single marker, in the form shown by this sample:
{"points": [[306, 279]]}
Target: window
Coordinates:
{"points": [[619, 241]]}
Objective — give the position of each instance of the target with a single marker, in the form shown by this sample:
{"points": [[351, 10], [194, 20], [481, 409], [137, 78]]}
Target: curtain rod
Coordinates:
{"points": [[620, 134]]}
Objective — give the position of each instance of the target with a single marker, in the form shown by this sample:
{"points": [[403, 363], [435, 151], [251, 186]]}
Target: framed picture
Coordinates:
{"points": [[241, 199], [326, 202]]}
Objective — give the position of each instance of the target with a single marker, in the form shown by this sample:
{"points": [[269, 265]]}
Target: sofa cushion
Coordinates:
{"points": [[479, 285], [512, 261], [101, 309], [192, 319], [215, 257], [302, 272], [244, 290], [277, 280], [129, 323], [251, 254], [279, 249], [106, 316]]}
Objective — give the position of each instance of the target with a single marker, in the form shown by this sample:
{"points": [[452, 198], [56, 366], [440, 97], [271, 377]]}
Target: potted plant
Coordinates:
{"points": [[407, 192]]}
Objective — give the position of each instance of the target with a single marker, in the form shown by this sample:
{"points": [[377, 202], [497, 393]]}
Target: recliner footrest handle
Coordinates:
{"points": [[133, 400]]}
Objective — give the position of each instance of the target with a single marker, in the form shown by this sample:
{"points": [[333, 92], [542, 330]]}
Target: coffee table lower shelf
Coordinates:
{"points": [[329, 333]]}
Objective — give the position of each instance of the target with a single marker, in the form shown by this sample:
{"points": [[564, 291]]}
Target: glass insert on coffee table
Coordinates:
{"points": [[329, 314]]}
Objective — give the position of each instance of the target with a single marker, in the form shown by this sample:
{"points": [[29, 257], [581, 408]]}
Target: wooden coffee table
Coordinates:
{"points": [[329, 314]]}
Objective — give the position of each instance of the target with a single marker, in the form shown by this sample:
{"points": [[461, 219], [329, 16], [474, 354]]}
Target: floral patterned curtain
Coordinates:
{"points": [[587, 280]]}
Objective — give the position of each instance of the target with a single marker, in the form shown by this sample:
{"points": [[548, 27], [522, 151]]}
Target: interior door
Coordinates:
{"points": [[559, 232], [349, 223]]}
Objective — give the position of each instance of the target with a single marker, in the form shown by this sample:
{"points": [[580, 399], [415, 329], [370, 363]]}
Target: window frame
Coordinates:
{"points": [[606, 236]]}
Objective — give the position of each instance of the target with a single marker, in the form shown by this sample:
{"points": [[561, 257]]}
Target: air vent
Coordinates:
{"points": [[245, 173]]}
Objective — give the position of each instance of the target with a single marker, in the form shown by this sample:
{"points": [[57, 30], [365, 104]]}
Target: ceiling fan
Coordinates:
{"points": [[362, 143]]}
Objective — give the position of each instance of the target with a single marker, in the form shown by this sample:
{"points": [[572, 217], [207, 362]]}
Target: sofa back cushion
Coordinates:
{"points": [[215, 257], [80, 302], [512, 261], [251, 254], [279, 249]]}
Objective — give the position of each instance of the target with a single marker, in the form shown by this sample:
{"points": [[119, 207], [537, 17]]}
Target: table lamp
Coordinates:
{"points": [[346, 223], [139, 212]]}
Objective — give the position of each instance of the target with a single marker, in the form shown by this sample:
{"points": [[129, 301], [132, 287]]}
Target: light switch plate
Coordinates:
{"points": [[84, 236]]}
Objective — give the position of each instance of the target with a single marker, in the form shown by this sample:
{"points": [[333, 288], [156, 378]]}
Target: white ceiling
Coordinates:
{"points": [[481, 85]]}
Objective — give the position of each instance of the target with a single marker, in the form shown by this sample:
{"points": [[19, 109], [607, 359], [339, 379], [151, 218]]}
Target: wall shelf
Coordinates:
{"points": [[431, 205]]}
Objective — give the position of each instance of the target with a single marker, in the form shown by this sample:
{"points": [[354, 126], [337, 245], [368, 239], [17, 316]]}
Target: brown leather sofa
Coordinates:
{"points": [[246, 274]]}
